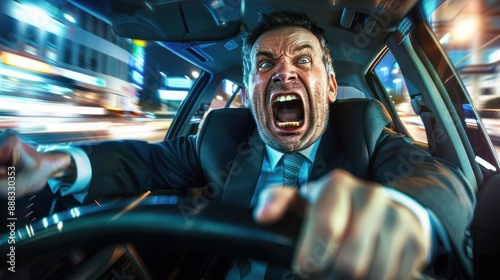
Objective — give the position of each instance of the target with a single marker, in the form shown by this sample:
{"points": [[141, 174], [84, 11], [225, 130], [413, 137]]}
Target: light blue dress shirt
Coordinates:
{"points": [[272, 170]]}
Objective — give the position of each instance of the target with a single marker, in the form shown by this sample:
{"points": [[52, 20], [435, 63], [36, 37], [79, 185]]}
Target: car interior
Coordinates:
{"points": [[100, 241]]}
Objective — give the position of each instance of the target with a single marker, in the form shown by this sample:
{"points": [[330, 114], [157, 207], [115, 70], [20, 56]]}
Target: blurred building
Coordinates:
{"points": [[54, 50]]}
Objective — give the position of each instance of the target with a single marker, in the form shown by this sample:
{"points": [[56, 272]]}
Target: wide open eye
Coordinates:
{"points": [[265, 65], [303, 60]]}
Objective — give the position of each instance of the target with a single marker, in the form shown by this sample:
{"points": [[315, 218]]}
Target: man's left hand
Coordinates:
{"points": [[351, 230]]}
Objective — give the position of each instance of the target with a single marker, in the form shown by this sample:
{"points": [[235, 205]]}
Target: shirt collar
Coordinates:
{"points": [[275, 156]]}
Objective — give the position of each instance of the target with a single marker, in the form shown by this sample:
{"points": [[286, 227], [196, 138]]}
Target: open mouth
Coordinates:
{"points": [[288, 111]]}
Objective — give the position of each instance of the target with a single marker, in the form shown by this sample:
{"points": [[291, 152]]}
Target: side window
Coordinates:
{"points": [[389, 73], [228, 94], [173, 91], [54, 109]]}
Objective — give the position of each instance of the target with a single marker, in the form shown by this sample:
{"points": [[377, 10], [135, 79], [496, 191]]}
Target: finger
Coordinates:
{"points": [[13, 146], [325, 224], [355, 256], [274, 202], [8, 142], [356, 252], [385, 264], [413, 257], [411, 262]]}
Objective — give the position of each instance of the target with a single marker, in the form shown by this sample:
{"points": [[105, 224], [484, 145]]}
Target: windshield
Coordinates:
{"points": [[66, 77]]}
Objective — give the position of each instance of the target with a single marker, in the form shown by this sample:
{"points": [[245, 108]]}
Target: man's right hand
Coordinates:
{"points": [[26, 169]]}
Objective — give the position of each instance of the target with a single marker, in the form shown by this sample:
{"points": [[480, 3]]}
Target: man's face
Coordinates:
{"points": [[289, 89]]}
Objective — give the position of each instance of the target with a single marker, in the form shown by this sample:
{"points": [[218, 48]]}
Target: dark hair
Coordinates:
{"points": [[278, 19]]}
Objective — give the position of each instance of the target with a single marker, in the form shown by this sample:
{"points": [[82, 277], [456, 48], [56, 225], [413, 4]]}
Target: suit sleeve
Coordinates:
{"points": [[362, 129], [434, 183], [131, 167]]}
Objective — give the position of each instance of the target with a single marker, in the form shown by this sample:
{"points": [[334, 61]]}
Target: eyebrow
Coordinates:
{"points": [[303, 47], [265, 53], [297, 49]]}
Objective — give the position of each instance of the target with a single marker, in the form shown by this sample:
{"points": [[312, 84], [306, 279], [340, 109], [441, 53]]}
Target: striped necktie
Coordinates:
{"points": [[291, 167]]}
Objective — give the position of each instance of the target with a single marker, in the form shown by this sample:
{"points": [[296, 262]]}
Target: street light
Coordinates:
{"points": [[464, 29], [385, 73], [69, 18]]}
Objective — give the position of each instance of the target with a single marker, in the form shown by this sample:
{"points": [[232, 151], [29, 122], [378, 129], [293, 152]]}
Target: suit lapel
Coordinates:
{"points": [[245, 171], [247, 164], [329, 155]]}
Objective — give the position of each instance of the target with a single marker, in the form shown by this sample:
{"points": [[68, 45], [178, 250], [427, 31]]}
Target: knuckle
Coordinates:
{"points": [[339, 175], [392, 219]]}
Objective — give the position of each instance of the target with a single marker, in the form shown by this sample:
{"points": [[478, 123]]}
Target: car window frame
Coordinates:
{"points": [[192, 109], [459, 151], [453, 94]]}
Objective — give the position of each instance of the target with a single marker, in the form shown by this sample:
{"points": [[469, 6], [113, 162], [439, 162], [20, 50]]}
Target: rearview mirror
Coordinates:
{"points": [[169, 21]]}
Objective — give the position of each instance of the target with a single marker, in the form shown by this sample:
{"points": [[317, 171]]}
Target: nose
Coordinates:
{"points": [[284, 72]]}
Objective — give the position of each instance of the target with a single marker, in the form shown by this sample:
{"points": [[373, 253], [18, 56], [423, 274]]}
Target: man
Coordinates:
{"points": [[371, 201]]}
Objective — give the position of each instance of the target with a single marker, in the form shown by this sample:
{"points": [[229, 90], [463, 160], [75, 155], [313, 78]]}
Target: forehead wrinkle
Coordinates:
{"points": [[274, 45], [297, 49], [265, 53]]}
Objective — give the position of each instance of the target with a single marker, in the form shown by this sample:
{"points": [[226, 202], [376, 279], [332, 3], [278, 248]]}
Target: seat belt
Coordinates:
{"points": [[421, 109], [429, 123]]}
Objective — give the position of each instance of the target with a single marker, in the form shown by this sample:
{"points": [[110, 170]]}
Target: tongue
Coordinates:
{"points": [[289, 114]]}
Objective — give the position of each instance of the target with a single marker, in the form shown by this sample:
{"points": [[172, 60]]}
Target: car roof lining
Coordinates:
{"points": [[355, 40], [351, 55]]}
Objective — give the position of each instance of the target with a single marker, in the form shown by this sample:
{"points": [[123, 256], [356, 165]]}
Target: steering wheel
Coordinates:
{"points": [[160, 221]]}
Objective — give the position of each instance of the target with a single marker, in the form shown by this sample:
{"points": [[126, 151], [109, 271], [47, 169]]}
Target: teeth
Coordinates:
{"points": [[289, 124], [283, 98]]}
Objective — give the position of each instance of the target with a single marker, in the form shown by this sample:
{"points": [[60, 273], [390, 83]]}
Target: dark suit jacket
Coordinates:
{"points": [[226, 156]]}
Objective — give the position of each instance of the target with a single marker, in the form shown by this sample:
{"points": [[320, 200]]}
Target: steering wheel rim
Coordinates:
{"points": [[166, 220]]}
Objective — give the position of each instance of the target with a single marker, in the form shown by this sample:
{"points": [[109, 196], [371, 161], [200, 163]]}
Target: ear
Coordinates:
{"points": [[332, 93]]}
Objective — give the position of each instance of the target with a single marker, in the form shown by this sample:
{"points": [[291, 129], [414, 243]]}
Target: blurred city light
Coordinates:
{"points": [[173, 94], [25, 107], [464, 29], [36, 16], [495, 56], [30, 231], [69, 18], [140, 43], [20, 75], [25, 63], [39, 15], [445, 39]]}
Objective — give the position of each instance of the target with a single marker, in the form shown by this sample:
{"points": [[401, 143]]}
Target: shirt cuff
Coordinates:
{"points": [[80, 187], [422, 215]]}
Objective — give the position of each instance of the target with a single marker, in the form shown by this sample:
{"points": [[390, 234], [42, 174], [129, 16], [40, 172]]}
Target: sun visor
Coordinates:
{"points": [[170, 21]]}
